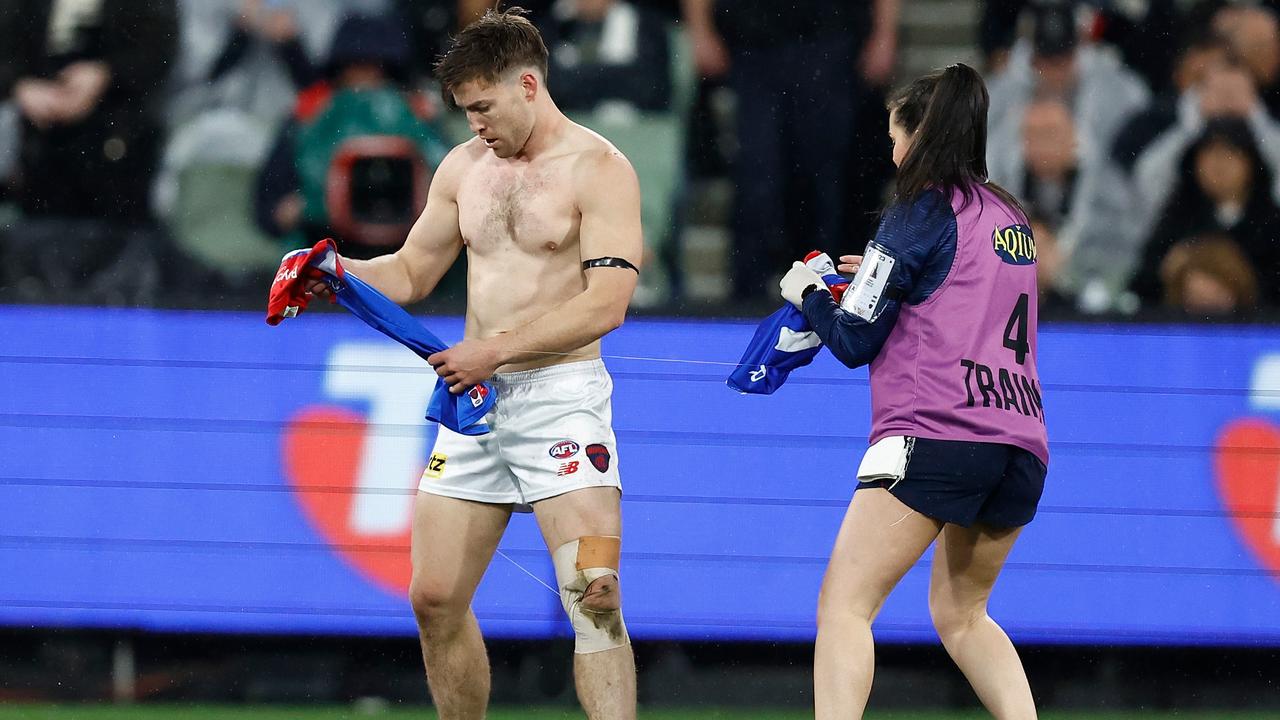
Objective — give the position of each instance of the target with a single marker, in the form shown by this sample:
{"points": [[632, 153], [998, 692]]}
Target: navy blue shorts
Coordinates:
{"points": [[970, 482]]}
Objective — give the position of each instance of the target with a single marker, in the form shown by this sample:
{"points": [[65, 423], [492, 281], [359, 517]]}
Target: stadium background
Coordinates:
{"points": [[203, 516]]}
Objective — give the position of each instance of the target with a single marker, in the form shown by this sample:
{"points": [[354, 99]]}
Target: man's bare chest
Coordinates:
{"points": [[529, 209]]}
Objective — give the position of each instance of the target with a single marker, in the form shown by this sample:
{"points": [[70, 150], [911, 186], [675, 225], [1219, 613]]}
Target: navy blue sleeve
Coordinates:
{"points": [[921, 237]]}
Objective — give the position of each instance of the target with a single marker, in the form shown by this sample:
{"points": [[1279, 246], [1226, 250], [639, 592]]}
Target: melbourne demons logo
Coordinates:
{"points": [[1247, 466], [355, 473]]}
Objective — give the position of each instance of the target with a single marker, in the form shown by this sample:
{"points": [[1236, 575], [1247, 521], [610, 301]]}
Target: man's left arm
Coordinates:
{"points": [[609, 199]]}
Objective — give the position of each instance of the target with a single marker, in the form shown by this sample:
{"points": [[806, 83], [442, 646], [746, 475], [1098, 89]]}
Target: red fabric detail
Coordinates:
{"points": [[837, 289], [312, 101], [288, 292]]}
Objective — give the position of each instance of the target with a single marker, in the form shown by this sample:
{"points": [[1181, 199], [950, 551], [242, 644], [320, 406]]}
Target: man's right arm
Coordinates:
{"points": [[412, 272]]}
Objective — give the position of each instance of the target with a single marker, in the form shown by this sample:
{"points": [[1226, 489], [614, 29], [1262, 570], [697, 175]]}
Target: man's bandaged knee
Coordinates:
{"points": [[587, 571]]}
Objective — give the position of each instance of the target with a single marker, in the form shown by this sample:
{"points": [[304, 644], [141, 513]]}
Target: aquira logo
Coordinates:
{"points": [[1014, 244]]}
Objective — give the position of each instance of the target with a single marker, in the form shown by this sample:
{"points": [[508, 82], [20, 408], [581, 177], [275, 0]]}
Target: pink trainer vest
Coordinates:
{"points": [[962, 364]]}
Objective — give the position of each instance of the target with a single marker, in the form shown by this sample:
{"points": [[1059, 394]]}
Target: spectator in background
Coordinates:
{"points": [[1080, 197], [1045, 81], [1100, 91], [1201, 51], [1140, 31], [86, 77], [253, 56], [1209, 277], [1146, 156], [1253, 35], [1224, 187], [997, 32], [277, 27], [1214, 86], [1225, 93], [798, 71], [1047, 180], [607, 52], [242, 64], [354, 161]]}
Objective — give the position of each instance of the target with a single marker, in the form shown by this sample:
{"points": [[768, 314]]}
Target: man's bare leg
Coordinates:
{"points": [[606, 680], [453, 542]]}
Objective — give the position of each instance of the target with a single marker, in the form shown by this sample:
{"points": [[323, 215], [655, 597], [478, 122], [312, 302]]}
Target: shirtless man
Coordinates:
{"points": [[550, 215]]}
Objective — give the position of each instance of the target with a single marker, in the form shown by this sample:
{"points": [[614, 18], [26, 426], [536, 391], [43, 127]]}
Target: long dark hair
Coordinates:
{"points": [[945, 112]]}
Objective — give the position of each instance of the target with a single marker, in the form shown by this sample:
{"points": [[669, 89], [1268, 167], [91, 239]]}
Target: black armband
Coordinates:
{"points": [[610, 262]]}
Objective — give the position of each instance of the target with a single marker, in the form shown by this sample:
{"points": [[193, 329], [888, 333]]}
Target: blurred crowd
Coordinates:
{"points": [[168, 152]]}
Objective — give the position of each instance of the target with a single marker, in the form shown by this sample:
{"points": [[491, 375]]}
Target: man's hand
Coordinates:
{"points": [[468, 363], [796, 280], [317, 287]]}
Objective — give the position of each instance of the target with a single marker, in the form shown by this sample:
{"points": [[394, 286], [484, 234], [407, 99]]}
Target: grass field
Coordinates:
{"points": [[240, 712]]}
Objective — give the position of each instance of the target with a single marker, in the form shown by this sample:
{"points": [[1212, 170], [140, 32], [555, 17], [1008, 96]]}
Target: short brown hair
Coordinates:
{"points": [[489, 47], [1217, 256]]}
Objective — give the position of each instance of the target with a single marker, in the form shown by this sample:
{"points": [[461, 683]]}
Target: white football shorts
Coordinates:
{"points": [[549, 433]]}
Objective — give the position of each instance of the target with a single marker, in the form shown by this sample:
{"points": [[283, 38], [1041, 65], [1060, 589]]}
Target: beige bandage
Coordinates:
{"points": [[597, 622]]}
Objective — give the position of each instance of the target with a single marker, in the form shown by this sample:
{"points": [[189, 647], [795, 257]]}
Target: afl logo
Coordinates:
{"points": [[564, 449], [1014, 244]]}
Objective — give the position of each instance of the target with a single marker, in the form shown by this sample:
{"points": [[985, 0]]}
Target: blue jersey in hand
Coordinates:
{"points": [[463, 413]]}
